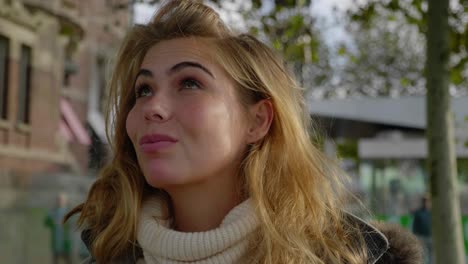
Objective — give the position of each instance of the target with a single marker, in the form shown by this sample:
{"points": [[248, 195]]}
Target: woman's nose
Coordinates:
{"points": [[157, 109]]}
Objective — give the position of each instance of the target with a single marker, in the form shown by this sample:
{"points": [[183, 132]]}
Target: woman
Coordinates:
{"points": [[213, 161]]}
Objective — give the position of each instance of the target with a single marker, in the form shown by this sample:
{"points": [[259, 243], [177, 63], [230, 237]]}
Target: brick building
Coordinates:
{"points": [[54, 58]]}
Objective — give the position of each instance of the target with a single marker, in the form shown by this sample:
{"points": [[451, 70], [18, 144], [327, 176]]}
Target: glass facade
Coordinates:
{"points": [[393, 189]]}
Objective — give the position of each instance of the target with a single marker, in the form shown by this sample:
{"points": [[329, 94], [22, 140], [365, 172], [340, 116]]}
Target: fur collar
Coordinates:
{"points": [[388, 243], [404, 247]]}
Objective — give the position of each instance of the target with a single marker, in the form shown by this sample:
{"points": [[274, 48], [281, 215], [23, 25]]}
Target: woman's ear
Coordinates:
{"points": [[261, 116]]}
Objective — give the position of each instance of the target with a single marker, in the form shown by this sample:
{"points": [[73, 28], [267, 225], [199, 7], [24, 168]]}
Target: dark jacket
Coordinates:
{"points": [[422, 222], [386, 244]]}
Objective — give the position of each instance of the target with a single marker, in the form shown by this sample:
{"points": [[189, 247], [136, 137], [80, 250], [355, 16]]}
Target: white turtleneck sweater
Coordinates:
{"points": [[226, 244]]}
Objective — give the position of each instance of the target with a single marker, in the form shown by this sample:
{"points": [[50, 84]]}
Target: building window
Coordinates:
{"points": [[4, 49], [24, 92]]}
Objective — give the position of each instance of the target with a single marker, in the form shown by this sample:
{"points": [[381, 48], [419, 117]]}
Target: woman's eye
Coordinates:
{"points": [[143, 90], [190, 84]]}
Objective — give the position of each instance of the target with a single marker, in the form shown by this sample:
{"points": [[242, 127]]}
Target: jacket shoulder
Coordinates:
{"points": [[404, 247], [376, 242], [388, 243]]}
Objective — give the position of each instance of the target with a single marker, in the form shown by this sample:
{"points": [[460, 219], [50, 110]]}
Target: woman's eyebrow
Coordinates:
{"points": [[181, 65], [144, 72], [178, 67]]}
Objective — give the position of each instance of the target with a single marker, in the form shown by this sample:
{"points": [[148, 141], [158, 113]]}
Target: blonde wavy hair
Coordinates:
{"points": [[296, 190]]}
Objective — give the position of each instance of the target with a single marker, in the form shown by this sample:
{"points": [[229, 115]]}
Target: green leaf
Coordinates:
{"points": [[417, 4], [254, 31], [460, 66], [392, 17], [465, 37], [256, 3], [369, 13], [456, 76], [455, 41], [315, 57], [296, 24], [342, 50], [286, 3], [278, 8], [277, 45], [404, 82], [420, 23], [303, 2], [347, 148], [295, 52], [393, 5]]}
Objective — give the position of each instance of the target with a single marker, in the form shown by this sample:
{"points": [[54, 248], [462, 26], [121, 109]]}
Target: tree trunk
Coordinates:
{"points": [[446, 225]]}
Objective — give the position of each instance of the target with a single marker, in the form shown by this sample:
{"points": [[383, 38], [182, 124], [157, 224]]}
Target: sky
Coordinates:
{"points": [[333, 32], [143, 12]]}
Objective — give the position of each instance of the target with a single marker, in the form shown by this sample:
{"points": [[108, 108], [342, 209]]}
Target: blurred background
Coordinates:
{"points": [[361, 63]]}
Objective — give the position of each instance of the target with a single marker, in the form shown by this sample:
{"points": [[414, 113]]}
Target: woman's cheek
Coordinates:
{"points": [[194, 114], [130, 125]]}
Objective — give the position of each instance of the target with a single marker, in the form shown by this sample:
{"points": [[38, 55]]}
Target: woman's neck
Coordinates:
{"points": [[202, 206]]}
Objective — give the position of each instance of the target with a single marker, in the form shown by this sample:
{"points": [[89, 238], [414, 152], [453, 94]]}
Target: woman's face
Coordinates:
{"points": [[187, 124]]}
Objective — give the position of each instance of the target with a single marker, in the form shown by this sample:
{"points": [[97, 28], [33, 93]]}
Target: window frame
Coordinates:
{"points": [[4, 77], [24, 85]]}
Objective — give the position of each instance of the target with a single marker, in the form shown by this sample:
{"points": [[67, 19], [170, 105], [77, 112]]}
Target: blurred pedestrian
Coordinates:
{"points": [[60, 231], [422, 226], [212, 158]]}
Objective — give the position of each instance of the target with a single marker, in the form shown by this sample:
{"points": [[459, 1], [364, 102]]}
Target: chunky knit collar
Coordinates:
{"points": [[226, 244]]}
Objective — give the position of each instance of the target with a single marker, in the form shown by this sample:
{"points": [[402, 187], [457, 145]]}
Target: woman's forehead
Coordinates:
{"points": [[171, 51]]}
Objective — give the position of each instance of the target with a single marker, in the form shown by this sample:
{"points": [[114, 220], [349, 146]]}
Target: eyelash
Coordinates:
{"points": [[191, 81], [186, 81], [140, 88]]}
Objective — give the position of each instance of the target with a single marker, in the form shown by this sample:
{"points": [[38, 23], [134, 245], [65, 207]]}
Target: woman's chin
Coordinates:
{"points": [[160, 178]]}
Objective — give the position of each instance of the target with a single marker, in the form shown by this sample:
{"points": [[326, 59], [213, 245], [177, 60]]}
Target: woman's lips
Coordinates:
{"points": [[156, 142], [156, 146]]}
